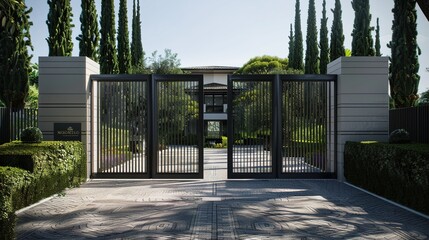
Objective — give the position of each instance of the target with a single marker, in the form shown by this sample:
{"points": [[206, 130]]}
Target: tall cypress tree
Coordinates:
{"points": [[90, 37], [362, 43], [291, 47], [60, 28], [14, 59], [108, 58], [312, 50], [324, 42], [404, 62], [298, 45], [124, 55], [337, 35], [377, 39], [137, 54]]}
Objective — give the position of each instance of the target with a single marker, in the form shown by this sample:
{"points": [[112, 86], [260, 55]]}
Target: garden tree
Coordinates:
{"points": [[175, 105], [337, 35], [424, 98], [137, 54], [124, 55], [298, 45], [14, 58], [291, 45], [377, 39], [108, 58], [324, 42], [90, 37], [167, 64], [60, 28], [362, 42], [404, 62], [263, 65], [32, 99], [312, 50], [33, 78]]}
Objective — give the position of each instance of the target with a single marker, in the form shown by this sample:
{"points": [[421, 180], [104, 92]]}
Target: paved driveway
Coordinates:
{"points": [[215, 208]]}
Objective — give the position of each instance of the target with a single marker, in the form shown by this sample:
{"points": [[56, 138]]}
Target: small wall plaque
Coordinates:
{"points": [[67, 131]]}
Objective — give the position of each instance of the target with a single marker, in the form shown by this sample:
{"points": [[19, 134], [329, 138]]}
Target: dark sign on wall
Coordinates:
{"points": [[67, 131]]}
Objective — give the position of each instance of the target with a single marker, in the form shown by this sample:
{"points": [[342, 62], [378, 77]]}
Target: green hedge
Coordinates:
{"points": [[13, 183], [31, 172], [399, 172]]}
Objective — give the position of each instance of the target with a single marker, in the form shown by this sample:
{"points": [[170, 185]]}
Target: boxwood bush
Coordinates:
{"points": [[31, 172], [399, 172], [13, 182]]}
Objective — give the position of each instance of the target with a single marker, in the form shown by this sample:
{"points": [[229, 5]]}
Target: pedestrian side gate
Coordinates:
{"points": [[282, 126], [147, 126]]}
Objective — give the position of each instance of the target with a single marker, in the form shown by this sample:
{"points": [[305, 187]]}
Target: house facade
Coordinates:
{"points": [[215, 100]]}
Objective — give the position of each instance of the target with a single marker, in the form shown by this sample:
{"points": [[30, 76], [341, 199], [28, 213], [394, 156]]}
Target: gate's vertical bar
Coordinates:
{"points": [[276, 116], [152, 129], [201, 127], [335, 126], [230, 126]]}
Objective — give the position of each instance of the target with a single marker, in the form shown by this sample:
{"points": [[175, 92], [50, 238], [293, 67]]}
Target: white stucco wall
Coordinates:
{"points": [[220, 78]]}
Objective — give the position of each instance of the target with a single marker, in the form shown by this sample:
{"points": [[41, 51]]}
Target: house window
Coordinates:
{"points": [[214, 103]]}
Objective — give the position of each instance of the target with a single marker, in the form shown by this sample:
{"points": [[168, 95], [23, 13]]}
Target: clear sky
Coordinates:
{"points": [[229, 32]]}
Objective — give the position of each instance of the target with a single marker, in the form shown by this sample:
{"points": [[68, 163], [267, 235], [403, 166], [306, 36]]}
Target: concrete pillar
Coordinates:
{"points": [[362, 101], [64, 95]]}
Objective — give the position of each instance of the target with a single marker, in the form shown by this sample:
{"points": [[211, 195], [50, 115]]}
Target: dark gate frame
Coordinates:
{"points": [[276, 142], [152, 127]]}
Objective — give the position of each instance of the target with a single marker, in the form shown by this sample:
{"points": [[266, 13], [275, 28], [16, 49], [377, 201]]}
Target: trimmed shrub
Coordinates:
{"points": [[31, 135], [43, 169], [399, 136], [399, 172], [13, 182]]}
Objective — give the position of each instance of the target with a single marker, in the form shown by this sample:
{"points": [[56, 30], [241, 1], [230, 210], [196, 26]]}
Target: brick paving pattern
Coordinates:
{"points": [[215, 208]]}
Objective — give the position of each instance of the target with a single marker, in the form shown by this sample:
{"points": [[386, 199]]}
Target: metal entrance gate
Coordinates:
{"points": [[281, 126], [147, 126]]}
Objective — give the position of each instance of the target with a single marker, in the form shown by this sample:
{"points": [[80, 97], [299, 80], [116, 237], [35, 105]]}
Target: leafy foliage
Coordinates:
{"points": [[12, 180], [108, 55], [397, 172], [56, 166], [312, 50], [324, 42], [90, 37], [32, 99], [298, 43], [14, 58], [377, 39], [167, 64], [404, 62], [291, 45], [124, 55], [33, 78], [362, 43], [60, 28], [137, 54], [31, 135], [424, 98], [399, 136], [264, 65], [337, 35]]}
